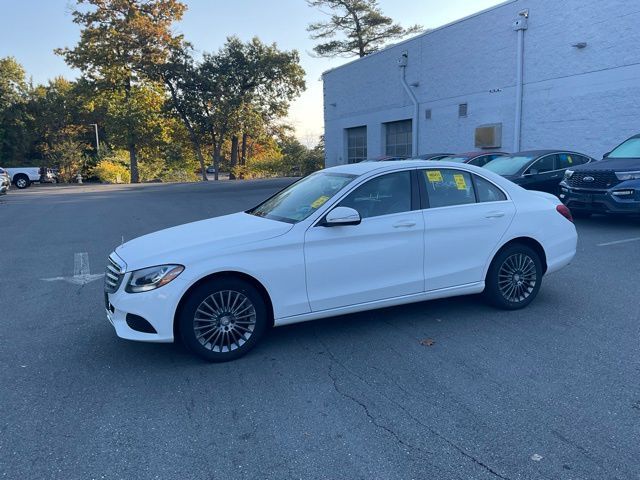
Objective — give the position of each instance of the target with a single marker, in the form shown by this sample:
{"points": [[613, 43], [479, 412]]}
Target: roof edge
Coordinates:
{"points": [[423, 34]]}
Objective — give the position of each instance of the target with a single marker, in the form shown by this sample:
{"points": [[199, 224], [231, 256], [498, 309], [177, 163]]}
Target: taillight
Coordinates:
{"points": [[565, 212]]}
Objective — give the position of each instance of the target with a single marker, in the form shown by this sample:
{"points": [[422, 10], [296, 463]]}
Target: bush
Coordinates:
{"points": [[112, 171]]}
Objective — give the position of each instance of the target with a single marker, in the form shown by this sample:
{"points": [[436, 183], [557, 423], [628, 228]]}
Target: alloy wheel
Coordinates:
{"points": [[224, 321], [517, 277]]}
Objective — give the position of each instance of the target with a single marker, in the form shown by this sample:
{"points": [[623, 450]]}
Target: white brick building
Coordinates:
{"points": [[580, 84]]}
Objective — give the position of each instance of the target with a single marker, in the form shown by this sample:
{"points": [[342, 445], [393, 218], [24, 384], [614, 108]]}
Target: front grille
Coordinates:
{"points": [[112, 276], [601, 180]]}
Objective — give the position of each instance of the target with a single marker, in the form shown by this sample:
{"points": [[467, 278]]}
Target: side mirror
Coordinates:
{"points": [[341, 216], [530, 172], [606, 155]]}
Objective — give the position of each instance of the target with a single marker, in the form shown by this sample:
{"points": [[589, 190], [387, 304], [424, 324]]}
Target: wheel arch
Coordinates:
{"points": [[221, 275], [532, 243], [18, 176]]}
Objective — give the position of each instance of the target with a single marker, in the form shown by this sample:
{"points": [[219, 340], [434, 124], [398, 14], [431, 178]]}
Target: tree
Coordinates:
{"points": [[15, 123], [180, 77], [360, 25], [245, 83], [118, 40]]}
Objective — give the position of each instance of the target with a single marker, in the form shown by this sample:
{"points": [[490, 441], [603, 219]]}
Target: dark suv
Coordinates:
{"points": [[609, 186]]}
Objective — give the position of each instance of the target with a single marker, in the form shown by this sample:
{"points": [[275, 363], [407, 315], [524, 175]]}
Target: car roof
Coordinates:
{"points": [[539, 153], [363, 168], [476, 154]]}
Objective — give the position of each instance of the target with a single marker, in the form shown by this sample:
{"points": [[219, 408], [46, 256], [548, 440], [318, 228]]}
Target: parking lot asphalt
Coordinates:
{"points": [[449, 389]]}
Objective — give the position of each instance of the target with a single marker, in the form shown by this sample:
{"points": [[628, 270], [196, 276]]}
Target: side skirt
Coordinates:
{"points": [[469, 289]]}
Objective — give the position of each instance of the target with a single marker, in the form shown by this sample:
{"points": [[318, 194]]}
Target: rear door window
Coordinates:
{"points": [[447, 187], [487, 191], [544, 165], [568, 160]]}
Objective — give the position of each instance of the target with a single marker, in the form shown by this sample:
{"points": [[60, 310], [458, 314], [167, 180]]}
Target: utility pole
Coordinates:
{"points": [[95, 125]]}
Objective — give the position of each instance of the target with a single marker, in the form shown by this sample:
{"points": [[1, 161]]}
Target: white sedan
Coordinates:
{"points": [[342, 240]]}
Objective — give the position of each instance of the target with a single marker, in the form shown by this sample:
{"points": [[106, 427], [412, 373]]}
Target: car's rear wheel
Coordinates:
{"points": [[223, 319], [22, 181], [514, 277]]}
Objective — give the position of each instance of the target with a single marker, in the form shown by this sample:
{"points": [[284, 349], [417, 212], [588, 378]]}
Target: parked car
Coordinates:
{"points": [[479, 159], [611, 185], [22, 177], [541, 170], [5, 181], [434, 156], [211, 169], [345, 239]]}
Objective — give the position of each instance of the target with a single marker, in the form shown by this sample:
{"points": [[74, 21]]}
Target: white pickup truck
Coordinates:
{"points": [[22, 177]]}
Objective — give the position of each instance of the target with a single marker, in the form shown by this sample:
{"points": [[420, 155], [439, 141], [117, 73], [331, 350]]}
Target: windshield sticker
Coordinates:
{"points": [[319, 201], [434, 176], [460, 183], [570, 159]]}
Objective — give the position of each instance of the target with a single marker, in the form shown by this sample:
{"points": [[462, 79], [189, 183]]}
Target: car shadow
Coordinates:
{"points": [[451, 317]]}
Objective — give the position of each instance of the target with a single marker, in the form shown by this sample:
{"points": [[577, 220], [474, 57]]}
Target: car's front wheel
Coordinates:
{"points": [[223, 319], [514, 277]]}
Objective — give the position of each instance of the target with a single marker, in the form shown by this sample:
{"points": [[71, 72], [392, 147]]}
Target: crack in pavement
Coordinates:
{"points": [[369, 415], [452, 444]]}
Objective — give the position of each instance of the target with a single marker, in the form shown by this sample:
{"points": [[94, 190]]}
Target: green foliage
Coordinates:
{"points": [[112, 169], [69, 157], [355, 28], [153, 102], [15, 121], [119, 41]]}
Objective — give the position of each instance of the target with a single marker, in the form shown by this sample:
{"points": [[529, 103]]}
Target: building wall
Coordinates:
{"points": [[582, 99]]}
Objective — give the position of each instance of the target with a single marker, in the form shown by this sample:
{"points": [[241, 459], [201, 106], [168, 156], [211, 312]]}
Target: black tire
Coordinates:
{"points": [[21, 181], [199, 326], [523, 284]]}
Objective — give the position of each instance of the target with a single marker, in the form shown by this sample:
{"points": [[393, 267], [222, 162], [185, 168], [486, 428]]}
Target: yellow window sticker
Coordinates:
{"points": [[570, 159], [318, 202], [434, 176], [460, 183]]}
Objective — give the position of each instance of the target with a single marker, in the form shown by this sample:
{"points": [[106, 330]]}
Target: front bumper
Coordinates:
{"points": [[157, 307], [624, 198]]}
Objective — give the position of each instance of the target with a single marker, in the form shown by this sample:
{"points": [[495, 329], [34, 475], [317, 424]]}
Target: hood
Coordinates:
{"points": [[185, 242], [610, 164]]}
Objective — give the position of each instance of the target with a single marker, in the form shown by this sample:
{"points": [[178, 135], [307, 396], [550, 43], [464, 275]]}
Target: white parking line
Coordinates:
{"points": [[618, 242], [81, 264], [81, 271]]}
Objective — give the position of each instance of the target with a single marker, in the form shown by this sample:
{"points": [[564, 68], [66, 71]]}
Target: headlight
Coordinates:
{"points": [[568, 174], [628, 176], [152, 278]]}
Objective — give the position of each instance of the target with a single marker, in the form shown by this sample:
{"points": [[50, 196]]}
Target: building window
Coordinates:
{"points": [[463, 109], [356, 144], [398, 138]]}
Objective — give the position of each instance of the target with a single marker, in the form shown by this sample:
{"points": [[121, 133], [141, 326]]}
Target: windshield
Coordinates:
{"points": [[298, 201], [455, 159], [508, 165], [629, 149]]}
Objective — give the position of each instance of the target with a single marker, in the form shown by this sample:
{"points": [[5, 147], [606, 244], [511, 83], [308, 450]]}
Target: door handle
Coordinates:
{"points": [[405, 224], [494, 215]]}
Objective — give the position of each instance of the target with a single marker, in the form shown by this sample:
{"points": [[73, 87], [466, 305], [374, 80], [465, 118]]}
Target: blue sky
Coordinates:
{"points": [[31, 29]]}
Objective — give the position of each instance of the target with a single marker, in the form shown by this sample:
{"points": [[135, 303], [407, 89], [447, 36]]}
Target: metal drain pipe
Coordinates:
{"points": [[402, 62], [520, 25]]}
